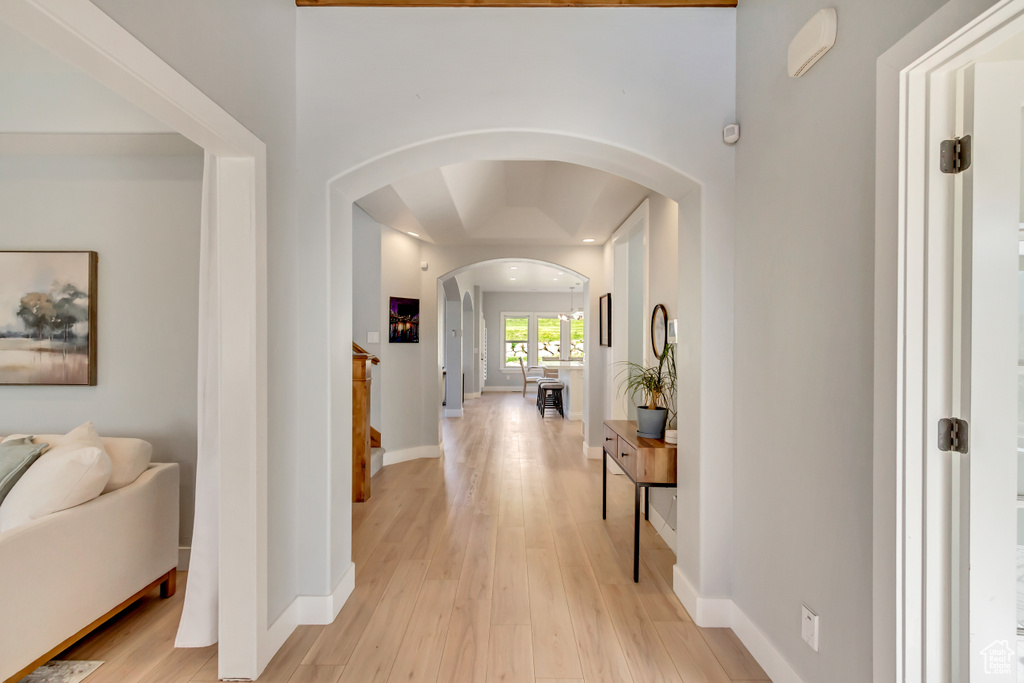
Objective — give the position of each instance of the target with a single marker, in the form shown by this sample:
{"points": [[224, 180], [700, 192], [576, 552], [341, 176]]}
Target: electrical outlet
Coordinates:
{"points": [[809, 628], [373, 337]]}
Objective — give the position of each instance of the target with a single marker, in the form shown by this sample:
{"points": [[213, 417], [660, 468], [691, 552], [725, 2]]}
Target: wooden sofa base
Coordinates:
{"points": [[168, 586]]}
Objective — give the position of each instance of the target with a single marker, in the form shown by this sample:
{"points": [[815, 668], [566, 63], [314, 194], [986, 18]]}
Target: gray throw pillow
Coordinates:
{"points": [[16, 456]]}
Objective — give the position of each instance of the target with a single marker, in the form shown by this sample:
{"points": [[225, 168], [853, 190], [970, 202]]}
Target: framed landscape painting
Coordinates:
{"points": [[404, 324], [48, 317]]}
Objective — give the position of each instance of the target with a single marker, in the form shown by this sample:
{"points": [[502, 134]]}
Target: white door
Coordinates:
{"points": [[985, 373]]}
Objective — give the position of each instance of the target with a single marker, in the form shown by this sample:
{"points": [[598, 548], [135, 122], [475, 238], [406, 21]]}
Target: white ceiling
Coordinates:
{"points": [[530, 276], [507, 202]]}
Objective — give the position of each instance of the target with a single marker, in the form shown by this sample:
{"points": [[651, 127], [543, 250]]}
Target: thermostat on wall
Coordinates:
{"points": [[812, 42]]}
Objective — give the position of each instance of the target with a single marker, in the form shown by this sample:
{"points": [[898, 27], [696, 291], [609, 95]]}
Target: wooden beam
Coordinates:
{"points": [[516, 3]]}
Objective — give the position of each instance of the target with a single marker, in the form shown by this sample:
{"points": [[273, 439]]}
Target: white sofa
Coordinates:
{"points": [[64, 574]]}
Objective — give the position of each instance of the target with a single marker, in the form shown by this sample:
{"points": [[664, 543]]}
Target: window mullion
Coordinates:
{"points": [[534, 352]]}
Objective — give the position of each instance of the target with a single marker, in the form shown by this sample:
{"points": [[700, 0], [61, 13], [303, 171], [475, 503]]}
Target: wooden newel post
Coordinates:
{"points": [[361, 423]]}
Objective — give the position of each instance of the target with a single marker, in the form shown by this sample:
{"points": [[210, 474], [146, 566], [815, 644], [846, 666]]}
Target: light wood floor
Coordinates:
{"points": [[490, 564]]}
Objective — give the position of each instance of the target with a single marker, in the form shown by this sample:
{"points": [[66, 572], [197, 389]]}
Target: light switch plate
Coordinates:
{"points": [[373, 337], [809, 628]]}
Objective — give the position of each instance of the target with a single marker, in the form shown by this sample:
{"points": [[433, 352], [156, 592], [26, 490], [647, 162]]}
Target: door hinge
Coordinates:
{"points": [[953, 434], [955, 155]]}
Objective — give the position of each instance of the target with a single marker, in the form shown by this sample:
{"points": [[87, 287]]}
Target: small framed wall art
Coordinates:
{"points": [[404, 325], [48, 318]]}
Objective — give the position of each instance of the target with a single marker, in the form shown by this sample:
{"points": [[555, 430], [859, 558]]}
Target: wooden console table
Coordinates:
{"points": [[647, 462]]}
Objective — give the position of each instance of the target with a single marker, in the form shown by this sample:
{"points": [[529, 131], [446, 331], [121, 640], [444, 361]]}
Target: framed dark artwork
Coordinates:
{"points": [[48, 317], [404, 325], [604, 311]]}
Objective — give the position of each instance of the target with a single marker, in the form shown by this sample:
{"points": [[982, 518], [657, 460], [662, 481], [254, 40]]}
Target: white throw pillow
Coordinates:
{"points": [[68, 474], [129, 458]]}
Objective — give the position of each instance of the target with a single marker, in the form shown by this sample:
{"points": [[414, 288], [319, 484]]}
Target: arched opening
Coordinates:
{"points": [[552, 340], [704, 359]]}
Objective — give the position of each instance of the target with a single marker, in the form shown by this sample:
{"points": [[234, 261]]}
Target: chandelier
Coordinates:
{"points": [[573, 313]]}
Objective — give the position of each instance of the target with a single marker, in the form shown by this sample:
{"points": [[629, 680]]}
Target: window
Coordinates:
{"points": [[576, 328], [541, 339], [549, 340], [517, 339]]}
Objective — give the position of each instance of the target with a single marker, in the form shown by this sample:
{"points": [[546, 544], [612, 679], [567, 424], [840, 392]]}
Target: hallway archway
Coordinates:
{"points": [[578, 278], [705, 359]]}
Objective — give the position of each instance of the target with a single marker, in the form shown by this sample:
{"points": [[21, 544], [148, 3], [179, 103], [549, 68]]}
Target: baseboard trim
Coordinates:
{"points": [[314, 610], [762, 649], [320, 610], [723, 613], [475, 394], [706, 612], [592, 452], [184, 557], [576, 416], [492, 389], [406, 454], [453, 412]]}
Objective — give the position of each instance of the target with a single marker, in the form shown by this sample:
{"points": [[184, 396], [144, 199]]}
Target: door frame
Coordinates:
{"points": [[916, 90], [83, 35], [639, 222]]}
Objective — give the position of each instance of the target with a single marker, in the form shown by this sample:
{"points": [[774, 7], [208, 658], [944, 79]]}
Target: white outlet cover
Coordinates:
{"points": [[809, 628], [373, 337]]}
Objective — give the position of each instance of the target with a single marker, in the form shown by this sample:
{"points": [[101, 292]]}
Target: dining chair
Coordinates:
{"points": [[530, 375]]}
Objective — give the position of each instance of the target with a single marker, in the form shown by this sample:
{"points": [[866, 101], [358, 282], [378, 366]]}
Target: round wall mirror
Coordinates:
{"points": [[659, 330]]}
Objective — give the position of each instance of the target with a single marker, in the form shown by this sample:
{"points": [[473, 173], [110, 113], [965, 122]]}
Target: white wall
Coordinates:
{"points": [[408, 417], [804, 302], [141, 215], [241, 53], [663, 277], [67, 103], [368, 313]]}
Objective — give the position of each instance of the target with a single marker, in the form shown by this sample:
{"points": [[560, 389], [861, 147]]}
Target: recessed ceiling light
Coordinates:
{"points": [[413, 234], [589, 239], [555, 279], [511, 278], [513, 267]]}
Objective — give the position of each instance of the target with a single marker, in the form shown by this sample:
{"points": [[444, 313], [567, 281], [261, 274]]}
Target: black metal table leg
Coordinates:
{"points": [[604, 484], [647, 503], [636, 536]]}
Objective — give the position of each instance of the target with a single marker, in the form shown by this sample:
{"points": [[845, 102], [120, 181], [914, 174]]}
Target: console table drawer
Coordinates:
{"points": [[611, 440], [626, 456]]}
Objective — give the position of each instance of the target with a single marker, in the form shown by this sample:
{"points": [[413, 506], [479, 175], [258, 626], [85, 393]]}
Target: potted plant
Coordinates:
{"points": [[653, 390]]}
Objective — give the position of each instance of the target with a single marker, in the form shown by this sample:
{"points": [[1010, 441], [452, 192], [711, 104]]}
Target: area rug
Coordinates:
{"points": [[61, 671]]}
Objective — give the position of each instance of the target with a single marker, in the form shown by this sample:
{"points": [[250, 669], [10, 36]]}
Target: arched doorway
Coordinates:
{"points": [[539, 305], [705, 354]]}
